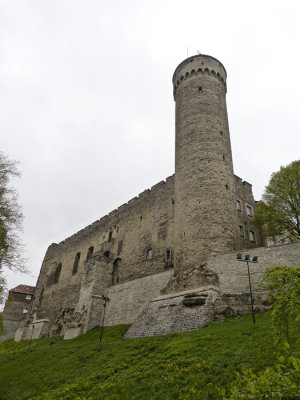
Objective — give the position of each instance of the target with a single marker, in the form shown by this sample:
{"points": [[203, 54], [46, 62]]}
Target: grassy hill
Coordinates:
{"points": [[191, 365]]}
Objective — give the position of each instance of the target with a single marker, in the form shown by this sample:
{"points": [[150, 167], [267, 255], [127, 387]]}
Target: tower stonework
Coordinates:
{"points": [[205, 197]]}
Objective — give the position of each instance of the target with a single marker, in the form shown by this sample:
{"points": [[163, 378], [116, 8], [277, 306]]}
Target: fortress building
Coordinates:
{"points": [[167, 258]]}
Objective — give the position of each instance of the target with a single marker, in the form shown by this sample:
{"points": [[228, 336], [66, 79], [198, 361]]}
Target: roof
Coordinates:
{"points": [[24, 289]]}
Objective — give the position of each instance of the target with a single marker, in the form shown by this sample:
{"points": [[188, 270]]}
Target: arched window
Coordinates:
{"points": [[110, 236], [90, 252], [57, 273], [149, 254], [116, 271], [76, 262]]}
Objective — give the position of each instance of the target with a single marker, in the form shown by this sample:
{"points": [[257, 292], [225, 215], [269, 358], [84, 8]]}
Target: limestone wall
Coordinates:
{"points": [[125, 235], [183, 311], [233, 274], [227, 296], [128, 299]]}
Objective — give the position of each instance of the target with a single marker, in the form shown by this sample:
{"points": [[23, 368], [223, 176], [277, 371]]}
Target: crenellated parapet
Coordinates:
{"points": [[137, 201], [198, 65]]}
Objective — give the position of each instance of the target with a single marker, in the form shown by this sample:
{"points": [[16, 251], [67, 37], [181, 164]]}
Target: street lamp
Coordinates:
{"points": [[248, 260], [105, 301], [30, 337]]}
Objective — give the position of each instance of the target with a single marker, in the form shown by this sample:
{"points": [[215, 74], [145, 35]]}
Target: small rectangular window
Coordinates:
{"points": [[168, 255], [249, 211], [149, 254], [238, 205], [28, 297], [252, 236], [242, 232], [25, 310]]}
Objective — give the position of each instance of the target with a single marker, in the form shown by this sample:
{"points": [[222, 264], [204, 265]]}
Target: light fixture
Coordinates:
{"points": [[247, 259]]}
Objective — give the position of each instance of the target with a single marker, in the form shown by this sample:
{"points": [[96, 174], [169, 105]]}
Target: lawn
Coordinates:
{"points": [[191, 365]]}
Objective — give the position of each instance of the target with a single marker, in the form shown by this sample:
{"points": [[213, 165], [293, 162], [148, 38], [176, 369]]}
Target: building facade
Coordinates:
{"points": [[16, 309]]}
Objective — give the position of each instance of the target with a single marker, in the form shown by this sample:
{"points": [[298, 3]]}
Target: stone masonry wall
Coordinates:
{"points": [[183, 311], [123, 237], [227, 296], [233, 274], [128, 299]]}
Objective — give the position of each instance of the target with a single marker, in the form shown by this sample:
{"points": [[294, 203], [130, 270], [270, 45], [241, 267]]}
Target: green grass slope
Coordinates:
{"points": [[191, 365]]}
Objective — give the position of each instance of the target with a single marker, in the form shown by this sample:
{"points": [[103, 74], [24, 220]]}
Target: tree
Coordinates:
{"points": [[279, 211], [11, 219], [284, 293]]}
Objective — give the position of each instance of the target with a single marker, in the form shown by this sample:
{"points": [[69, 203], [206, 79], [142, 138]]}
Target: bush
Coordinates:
{"points": [[280, 382]]}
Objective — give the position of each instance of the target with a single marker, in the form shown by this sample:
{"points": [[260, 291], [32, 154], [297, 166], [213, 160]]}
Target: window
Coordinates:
{"points": [[242, 232], [76, 262], [116, 271], [28, 297], [90, 252], [200, 89], [25, 310], [249, 211], [57, 273], [120, 246], [106, 253], [252, 236], [238, 205], [168, 255], [149, 254]]}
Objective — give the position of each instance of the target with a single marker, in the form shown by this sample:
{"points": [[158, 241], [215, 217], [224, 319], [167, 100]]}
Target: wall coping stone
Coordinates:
{"points": [[178, 294], [38, 321]]}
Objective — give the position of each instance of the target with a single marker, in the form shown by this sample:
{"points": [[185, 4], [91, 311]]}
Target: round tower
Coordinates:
{"points": [[205, 199]]}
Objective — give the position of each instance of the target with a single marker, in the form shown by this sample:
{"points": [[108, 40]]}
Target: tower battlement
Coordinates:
{"points": [[198, 64]]}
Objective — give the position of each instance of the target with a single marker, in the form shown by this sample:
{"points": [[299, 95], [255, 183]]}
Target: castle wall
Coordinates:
{"points": [[123, 238], [128, 299], [227, 296], [233, 274], [248, 236], [175, 237]]}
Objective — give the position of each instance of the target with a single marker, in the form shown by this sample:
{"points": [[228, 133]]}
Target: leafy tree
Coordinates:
{"points": [[279, 211], [10, 221], [284, 292]]}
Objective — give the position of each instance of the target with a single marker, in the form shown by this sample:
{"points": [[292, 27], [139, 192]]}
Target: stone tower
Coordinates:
{"points": [[205, 198]]}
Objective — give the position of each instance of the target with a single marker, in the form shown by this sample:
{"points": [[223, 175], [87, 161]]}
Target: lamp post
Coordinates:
{"points": [[105, 301], [247, 260], [29, 344]]}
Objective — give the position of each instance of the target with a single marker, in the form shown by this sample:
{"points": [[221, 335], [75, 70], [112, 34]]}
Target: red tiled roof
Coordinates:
{"points": [[24, 289]]}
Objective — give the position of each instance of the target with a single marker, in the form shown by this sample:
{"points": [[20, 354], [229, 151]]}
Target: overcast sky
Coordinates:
{"points": [[86, 101]]}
